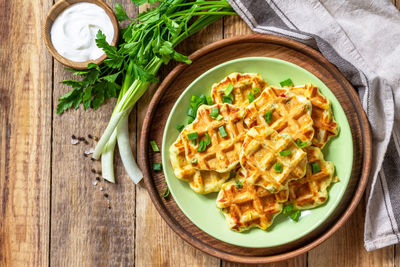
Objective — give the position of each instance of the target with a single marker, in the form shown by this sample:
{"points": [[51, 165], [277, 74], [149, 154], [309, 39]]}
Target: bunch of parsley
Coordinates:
{"points": [[148, 42], [152, 35]]}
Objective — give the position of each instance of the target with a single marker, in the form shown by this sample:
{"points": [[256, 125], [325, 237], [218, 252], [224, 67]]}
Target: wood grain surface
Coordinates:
{"points": [[51, 213]]}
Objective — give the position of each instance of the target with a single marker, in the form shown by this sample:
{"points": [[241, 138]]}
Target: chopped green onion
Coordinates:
{"points": [[228, 89], [190, 120], [255, 90], [219, 117], [209, 100], [202, 146], [315, 167], [291, 212], [214, 113], [268, 116], [154, 146], [165, 194], [239, 184], [288, 82], [227, 99], [193, 99], [250, 96], [194, 161], [191, 112], [208, 139], [157, 166], [301, 144], [295, 216], [222, 131], [193, 136], [202, 99], [180, 127], [288, 209], [194, 142], [285, 153], [278, 167]]}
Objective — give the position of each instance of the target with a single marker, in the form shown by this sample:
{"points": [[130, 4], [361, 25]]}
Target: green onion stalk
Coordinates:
{"points": [[134, 86]]}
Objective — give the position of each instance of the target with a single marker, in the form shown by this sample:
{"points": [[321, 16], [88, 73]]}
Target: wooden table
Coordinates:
{"points": [[52, 213]]}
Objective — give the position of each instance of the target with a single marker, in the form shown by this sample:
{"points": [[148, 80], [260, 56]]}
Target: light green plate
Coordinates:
{"points": [[202, 210]]}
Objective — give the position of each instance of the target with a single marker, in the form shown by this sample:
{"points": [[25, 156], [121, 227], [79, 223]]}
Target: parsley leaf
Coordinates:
{"points": [[120, 12]]}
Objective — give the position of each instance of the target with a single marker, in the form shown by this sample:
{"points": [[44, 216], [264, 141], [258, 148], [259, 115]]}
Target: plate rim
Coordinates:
{"points": [[164, 150], [366, 144]]}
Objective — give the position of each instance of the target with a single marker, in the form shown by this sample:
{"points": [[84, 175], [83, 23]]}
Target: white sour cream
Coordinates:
{"points": [[74, 31]]}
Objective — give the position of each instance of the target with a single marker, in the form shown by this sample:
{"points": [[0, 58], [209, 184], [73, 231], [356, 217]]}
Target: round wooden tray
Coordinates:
{"points": [[250, 46]]}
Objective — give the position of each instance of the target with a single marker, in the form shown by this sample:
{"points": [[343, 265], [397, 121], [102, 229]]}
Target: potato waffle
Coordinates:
{"points": [[283, 111], [243, 85], [325, 126], [202, 182], [311, 190], [245, 205], [222, 154], [271, 160]]}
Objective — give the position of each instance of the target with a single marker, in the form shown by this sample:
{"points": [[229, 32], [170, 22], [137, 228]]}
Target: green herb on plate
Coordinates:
{"points": [[278, 167], [239, 184], [301, 144], [268, 116], [292, 213], [154, 146], [192, 135], [285, 153], [227, 99], [180, 127], [222, 131], [157, 166], [228, 90], [288, 82], [214, 113], [315, 167], [165, 194]]}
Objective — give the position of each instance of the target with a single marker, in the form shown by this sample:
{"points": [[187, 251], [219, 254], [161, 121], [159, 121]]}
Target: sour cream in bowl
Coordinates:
{"points": [[71, 28]]}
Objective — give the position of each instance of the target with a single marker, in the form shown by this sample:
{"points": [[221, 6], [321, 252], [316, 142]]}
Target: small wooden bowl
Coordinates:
{"points": [[55, 11]]}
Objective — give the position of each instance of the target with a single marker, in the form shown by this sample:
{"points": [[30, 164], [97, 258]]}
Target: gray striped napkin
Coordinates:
{"points": [[362, 38]]}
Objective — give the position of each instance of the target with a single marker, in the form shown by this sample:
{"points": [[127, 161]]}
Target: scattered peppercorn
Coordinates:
{"points": [[98, 178], [105, 195], [73, 136], [93, 170], [96, 138], [90, 136], [81, 139], [86, 142]]}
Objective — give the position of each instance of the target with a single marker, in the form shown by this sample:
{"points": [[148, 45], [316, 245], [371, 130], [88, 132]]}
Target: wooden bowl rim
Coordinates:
{"points": [[54, 12], [366, 150]]}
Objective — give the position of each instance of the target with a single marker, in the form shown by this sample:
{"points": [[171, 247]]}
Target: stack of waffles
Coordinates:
{"points": [[259, 146]]}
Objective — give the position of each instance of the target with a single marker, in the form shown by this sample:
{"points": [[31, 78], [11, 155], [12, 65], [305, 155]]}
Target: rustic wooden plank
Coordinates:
{"points": [[346, 247], [25, 134], [234, 25], [156, 243], [84, 231], [295, 262]]}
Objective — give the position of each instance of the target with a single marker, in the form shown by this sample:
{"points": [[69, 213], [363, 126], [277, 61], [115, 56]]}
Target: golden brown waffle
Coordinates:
{"points": [[288, 113], [245, 205], [202, 182], [243, 85], [325, 126], [222, 154], [311, 191], [271, 160]]}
